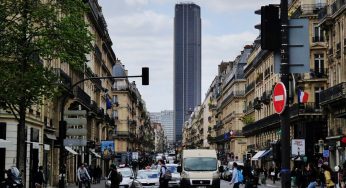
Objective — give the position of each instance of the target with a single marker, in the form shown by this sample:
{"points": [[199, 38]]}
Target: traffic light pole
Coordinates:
{"points": [[62, 124], [284, 117]]}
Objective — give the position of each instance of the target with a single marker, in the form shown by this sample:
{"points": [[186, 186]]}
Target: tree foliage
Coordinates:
{"points": [[34, 33]]}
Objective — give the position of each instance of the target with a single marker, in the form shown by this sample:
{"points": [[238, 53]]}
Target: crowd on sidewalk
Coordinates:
{"points": [[302, 176]]}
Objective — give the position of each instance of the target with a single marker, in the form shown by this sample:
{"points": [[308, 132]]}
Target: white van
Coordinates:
{"points": [[200, 168]]}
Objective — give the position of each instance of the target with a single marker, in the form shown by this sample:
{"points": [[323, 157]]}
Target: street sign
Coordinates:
{"points": [[76, 132], [279, 97], [298, 147], [75, 142], [76, 121], [75, 112], [298, 47]]}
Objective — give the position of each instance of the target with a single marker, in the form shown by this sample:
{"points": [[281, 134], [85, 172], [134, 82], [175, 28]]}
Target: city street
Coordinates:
{"points": [[224, 184]]}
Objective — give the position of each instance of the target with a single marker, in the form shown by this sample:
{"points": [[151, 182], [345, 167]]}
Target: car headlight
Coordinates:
{"points": [[216, 175], [185, 175]]}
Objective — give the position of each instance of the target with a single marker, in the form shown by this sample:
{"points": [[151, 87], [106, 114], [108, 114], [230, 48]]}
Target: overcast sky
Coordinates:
{"points": [[142, 35]]}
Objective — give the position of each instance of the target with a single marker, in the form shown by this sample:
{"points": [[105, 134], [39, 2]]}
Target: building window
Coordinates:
{"points": [[317, 96], [319, 65], [115, 99], [318, 34], [115, 114], [2, 130]]}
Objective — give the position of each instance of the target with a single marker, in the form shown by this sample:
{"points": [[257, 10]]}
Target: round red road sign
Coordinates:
{"points": [[279, 97]]}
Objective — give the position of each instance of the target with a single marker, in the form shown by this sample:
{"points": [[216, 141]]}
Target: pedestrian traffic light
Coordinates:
{"points": [[145, 76], [270, 27]]}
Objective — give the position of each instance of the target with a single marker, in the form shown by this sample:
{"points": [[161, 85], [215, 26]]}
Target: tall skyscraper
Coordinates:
{"points": [[165, 118], [187, 63]]}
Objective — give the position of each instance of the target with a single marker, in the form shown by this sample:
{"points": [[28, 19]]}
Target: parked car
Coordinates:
{"points": [[128, 179], [175, 181], [149, 178]]}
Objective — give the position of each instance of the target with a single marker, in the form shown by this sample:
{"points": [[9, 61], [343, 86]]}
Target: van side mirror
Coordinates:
{"points": [[221, 169], [179, 169]]}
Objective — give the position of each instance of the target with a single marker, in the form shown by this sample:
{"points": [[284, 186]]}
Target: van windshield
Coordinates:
{"points": [[200, 164]]}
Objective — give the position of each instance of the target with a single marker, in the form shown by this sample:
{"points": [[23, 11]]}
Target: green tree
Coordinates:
{"points": [[34, 33]]}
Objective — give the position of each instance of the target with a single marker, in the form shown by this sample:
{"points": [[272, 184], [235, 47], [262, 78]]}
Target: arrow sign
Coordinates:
{"points": [[279, 97], [76, 121]]}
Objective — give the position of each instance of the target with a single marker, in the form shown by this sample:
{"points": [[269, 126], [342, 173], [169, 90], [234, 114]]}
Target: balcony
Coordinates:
{"points": [[121, 134], [333, 94], [327, 12], [259, 78], [64, 78], [93, 106], [318, 39], [249, 87], [305, 108], [218, 125], [98, 55], [318, 73], [308, 9], [80, 94], [265, 123]]}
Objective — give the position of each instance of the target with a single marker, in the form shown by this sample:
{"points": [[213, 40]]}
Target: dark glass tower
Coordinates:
{"points": [[187, 63]]}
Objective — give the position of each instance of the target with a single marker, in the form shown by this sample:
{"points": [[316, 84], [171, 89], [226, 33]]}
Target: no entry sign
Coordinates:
{"points": [[279, 97]]}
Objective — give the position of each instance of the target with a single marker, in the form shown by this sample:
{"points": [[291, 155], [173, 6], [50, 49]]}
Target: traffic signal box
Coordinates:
{"points": [[270, 27]]}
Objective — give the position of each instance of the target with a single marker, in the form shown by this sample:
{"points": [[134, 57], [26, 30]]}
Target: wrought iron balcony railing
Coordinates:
{"points": [[333, 94], [318, 39], [81, 95], [249, 87]]}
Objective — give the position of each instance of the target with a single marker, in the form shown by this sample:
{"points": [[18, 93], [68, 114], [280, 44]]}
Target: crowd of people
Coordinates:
{"points": [[310, 176], [302, 176]]}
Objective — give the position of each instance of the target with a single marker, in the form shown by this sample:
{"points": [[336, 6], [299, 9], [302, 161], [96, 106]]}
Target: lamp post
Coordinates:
{"points": [[62, 124]]}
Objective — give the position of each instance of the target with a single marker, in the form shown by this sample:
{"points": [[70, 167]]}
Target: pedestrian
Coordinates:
{"points": [[234, 179], [311, 174], [247, 172], [83, 176], [39, 178], [327, 171], [115, 177], [98, 174], [163, 169]]}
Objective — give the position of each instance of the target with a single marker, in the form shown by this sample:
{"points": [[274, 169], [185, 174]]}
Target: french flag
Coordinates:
{"points": [[303, 96]]}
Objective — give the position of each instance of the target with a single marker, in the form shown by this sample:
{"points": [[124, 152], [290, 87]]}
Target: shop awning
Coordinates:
{"points": [[257, 155], [266, 153], [50, 136], [71, 150], [94, 153]]}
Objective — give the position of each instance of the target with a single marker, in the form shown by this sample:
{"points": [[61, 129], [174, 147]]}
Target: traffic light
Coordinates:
{"points": [[270, 27], [276, 151], [145, 76]]}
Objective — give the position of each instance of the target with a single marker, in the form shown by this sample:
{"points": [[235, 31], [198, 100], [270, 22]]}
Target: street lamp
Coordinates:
{"points": [[63, 125]]}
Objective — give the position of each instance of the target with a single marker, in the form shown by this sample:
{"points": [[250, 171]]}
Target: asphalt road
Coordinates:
{"points": [[224, 184]]}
